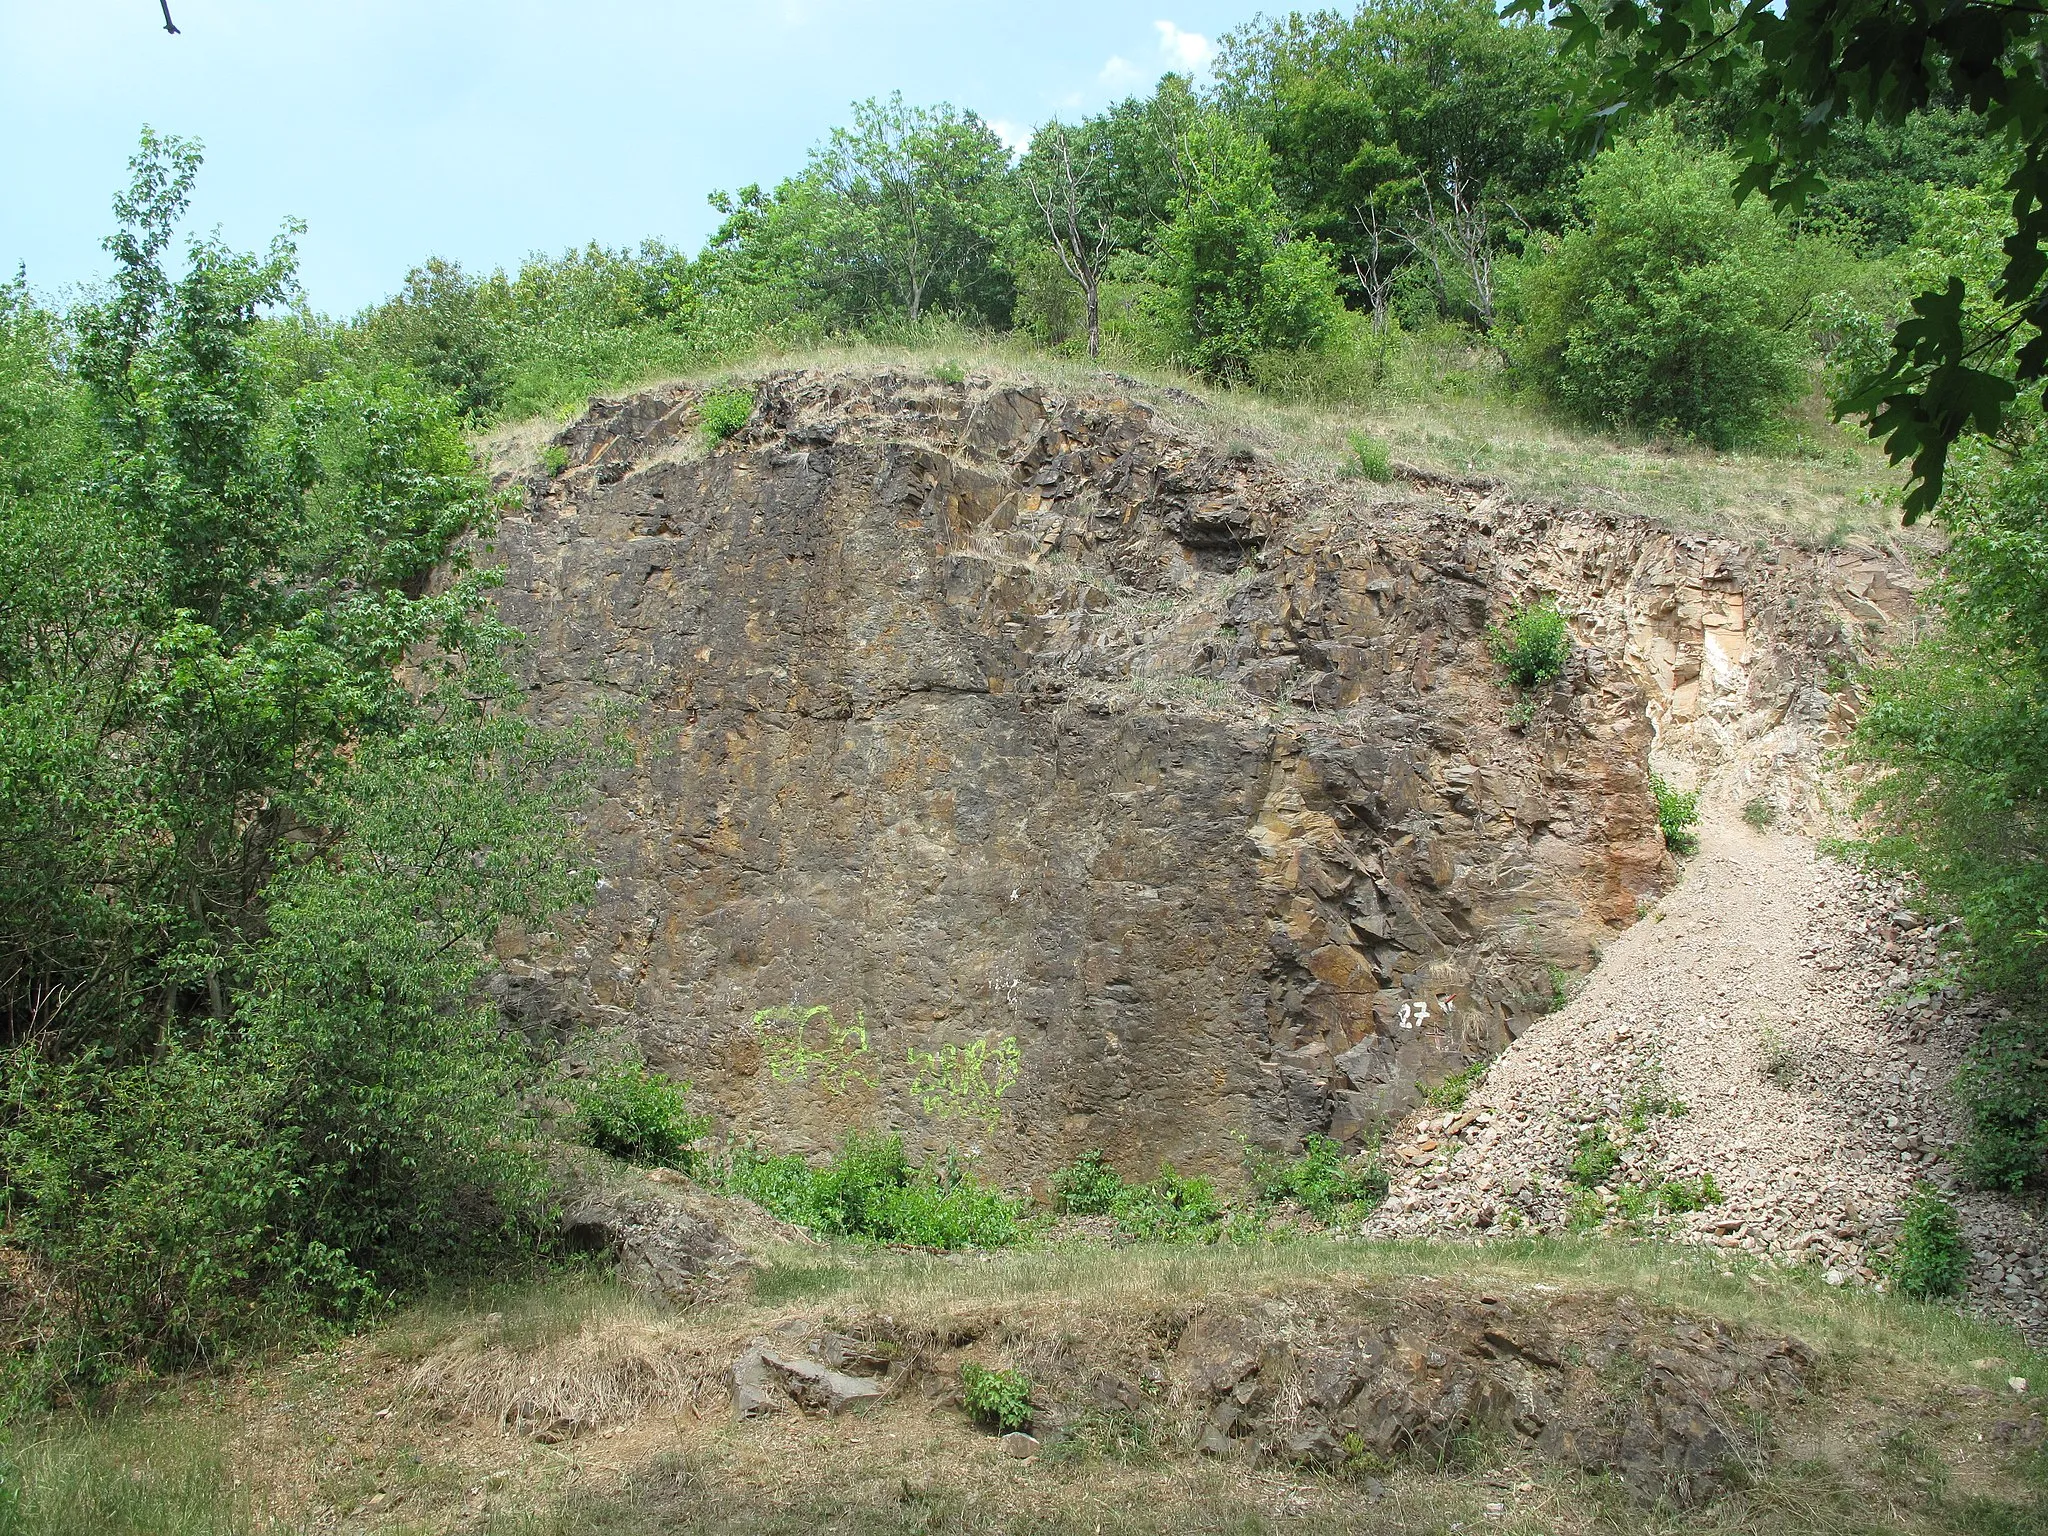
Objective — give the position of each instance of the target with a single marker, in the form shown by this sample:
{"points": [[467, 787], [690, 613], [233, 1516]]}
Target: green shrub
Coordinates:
{"points": [[638, 1116], [1452, 1092], [1672, 308], [1954, 742], [554, 458], [1585, 1212], [2003, 1091], [1560, 988], [1321, 1181], [1088, 1186], [1234, 285], [949, 373], [723, 412], [1171, 1209], [1678, 812], [871, 1189], [997, 1398], [1595, 1159], [1929, 1258], [1682, 1195], [1760, 813], [1533, 646], [1370, 458]]}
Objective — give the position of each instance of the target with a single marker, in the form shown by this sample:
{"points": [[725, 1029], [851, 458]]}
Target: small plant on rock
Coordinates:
{"points": [[554, 458], [1929, 1259], [949, 373], [639, 1116], [1533, 646], [1778, 1058], [723, 412], [1760, 813], [1595, 1159], [1560, 988], [1678, 812], [999, 1399], [1454, 1090], [1677, 1196]]}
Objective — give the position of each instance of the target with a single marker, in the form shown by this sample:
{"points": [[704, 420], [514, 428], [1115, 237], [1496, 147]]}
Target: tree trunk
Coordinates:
{"points": [[1094, 290]]}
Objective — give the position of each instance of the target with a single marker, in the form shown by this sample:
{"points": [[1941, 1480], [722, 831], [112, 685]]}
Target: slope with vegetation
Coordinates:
{"points": [[279, 846]]}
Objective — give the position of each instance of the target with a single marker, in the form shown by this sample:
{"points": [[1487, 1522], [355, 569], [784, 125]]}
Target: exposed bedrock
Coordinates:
{"points": [[978, 709]]}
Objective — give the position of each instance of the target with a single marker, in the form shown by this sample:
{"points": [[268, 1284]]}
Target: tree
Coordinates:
{"points": [[1238, 285], [1873, 61], [914, 192], [1667, 309], [906, 211], [1364, 112], [248, 870], [1069, 173]]}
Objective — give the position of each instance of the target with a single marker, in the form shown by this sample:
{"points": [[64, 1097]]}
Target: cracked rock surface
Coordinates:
{"points": [[974, 708]]}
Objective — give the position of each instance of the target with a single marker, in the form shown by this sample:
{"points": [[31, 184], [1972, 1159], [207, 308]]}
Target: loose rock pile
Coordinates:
{"points": [[1781, 1023]]}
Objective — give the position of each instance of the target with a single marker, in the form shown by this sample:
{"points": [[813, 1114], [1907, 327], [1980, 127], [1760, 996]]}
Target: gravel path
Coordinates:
{"points": [[1778, 1023]]}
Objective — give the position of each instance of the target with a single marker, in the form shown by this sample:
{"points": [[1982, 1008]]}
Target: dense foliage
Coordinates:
{"points": [[1957, 736], [871, 1188], [638, 1116], [1671, 308], [1796, 85], [251, 864]]}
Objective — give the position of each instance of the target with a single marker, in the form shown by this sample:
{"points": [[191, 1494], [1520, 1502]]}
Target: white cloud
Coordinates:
{"points": [[1188, 51], [1119, 72], [1016, 140]]}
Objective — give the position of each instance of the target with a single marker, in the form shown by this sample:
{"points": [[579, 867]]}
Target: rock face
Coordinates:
{"points": [[1660, 1402], [973, 710]]}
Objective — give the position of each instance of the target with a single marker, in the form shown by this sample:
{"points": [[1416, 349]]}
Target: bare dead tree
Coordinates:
{"points": [[1458, 231], [1375, 273], [169, 25], [1068, 190]]}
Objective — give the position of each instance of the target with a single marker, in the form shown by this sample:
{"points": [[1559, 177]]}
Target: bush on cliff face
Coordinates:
{"points": [[1533, 646]]}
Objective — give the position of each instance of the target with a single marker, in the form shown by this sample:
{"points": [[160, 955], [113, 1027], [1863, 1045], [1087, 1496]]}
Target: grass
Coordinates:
{"points": [[378, 1436], [133, 1475], [1446, 414]]}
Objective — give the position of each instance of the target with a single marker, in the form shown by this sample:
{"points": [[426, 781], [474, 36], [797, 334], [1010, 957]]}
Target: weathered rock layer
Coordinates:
{"points": [[977, 710]]}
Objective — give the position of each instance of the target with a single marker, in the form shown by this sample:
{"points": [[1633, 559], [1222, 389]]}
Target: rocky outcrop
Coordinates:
{"points": [[1657, 1401], [1343, 1381], [974, 709], [669, 1238]]}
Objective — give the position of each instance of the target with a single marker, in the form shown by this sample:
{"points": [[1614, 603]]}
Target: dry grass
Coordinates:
{"points": [[572, 1407], [1826, 484]]}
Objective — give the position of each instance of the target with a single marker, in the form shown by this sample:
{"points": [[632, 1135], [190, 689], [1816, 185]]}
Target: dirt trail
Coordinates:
{"points": [[1776, 1022]]}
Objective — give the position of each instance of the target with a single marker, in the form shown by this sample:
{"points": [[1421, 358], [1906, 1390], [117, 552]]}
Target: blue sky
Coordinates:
{"points": [[483, 129]]}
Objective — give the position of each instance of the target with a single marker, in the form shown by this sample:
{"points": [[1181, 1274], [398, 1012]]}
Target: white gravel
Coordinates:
{"points": [[1772, 994]]}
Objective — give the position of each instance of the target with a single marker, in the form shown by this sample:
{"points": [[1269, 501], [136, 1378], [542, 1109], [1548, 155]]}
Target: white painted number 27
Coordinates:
{"points": [[1415, 1015]]}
